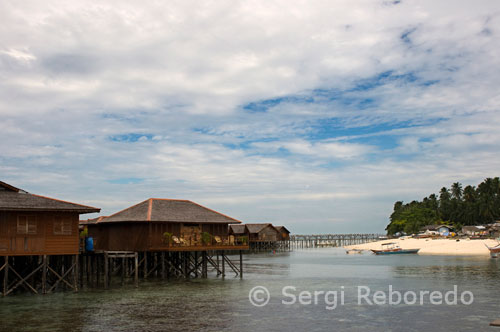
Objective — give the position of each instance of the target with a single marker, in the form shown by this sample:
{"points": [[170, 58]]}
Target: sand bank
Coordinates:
{"points": [[436, 246]]}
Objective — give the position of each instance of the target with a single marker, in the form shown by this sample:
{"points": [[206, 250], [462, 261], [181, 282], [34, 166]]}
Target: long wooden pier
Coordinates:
{"points": [[332, 240]]}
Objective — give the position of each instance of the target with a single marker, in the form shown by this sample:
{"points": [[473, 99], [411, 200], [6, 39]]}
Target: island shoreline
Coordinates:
{"points": [[451, 247]]}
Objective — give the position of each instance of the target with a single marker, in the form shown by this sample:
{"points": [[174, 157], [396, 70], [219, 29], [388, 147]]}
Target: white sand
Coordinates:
{"points": [[436, 247]]}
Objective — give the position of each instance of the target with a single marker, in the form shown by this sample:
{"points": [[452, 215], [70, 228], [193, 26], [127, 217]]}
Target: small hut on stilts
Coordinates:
{"points": [[39, 241]]}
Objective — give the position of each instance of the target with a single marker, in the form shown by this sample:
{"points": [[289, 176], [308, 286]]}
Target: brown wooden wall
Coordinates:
{"points": [[139, 236], [38, 233], [269, 233], [119, 236], [283, 236]]}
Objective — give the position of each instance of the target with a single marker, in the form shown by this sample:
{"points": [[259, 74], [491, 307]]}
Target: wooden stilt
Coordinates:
{"points": [[81, 270], [75, 272], [106, 270], [6, 276], [223, 265], [23, 281], [88, 271], [136, 272], [44, 274], [162, 257], [61, 259], [145, 265], [97, 270], [218, 272], [241, 264], [155, 261], [196, 264], [204, 267], [61, 277], [123, 271]]}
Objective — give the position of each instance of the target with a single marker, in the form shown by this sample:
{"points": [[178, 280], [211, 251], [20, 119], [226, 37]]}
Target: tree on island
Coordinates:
{"points": [[457, 207]]}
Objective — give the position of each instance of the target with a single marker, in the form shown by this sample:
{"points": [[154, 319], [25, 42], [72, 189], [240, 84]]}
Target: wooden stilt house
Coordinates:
{"points": [[238, 230], [37, 225], [262, 232], [283, 233], [164, 225], [39, 241]]}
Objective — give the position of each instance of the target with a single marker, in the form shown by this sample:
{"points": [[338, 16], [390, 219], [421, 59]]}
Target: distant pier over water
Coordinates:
{"points": [[332, 240]]}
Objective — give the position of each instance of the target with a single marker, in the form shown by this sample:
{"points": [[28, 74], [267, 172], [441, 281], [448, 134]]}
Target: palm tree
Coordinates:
{"points": [[444, 204], [456, 191]]}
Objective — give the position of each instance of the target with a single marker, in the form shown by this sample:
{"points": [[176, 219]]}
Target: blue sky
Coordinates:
{"points": [[315, 115]]}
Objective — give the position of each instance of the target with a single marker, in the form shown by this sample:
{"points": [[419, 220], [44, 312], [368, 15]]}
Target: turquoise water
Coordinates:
{"points": [[223, 305]]}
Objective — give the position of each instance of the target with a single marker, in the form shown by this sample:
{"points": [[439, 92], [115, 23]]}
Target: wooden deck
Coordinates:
{"points": [[200, 248]]}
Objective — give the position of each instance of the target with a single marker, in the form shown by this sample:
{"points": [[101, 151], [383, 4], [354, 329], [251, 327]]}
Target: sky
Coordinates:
{"points": [[317, 115]]}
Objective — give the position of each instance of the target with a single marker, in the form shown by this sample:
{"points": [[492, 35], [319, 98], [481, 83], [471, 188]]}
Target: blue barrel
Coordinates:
{"points": [[89, 244]]}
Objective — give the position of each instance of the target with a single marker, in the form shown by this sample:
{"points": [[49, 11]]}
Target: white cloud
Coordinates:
{"points": [[177, 76]]}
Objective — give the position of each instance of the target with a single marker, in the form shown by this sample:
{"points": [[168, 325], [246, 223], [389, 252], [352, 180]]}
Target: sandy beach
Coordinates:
{"points": [[435, 246]]}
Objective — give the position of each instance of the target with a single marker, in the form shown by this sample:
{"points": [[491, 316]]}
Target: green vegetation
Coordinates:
{"points": [[456, 206], [167, 238], [243, 239], [84, 233], [206, 238]]}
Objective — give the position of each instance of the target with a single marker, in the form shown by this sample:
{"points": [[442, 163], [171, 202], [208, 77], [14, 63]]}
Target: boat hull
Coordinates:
{"points": [[494, 251], [395, 252]]}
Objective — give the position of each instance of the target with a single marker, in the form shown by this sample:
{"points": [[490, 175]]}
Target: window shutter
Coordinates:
{"points": [[57, 225], [62, 226], [66, 227], [31, 229], [21, 225]]}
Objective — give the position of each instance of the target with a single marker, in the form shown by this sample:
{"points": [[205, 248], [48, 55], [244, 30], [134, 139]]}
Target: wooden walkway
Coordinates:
{"points": [[258, 246], [332, 240]]}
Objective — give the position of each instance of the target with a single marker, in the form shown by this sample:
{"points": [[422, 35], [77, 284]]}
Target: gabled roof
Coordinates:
{"points": [[169, 210], [91, 221], [256, 228], [238, 229], [15, 199], [7, 187], [434, 227], [282, 228]]}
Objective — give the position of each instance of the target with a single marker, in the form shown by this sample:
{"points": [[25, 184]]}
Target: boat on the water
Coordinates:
{"points": [[392, 248], [494, 251], [354, 251]]}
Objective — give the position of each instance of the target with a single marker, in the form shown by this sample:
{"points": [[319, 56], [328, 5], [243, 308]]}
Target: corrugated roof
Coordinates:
{"points": [[14, 199], [256, 228], [169, 210]]}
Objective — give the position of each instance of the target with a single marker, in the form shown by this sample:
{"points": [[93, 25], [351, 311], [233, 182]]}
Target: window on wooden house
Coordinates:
{"points": [[26, 225], [62, 226]]}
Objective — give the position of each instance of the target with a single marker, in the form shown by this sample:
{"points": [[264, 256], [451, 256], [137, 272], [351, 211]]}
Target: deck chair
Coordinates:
{"points": [[231, 240], [176, 239], [217, 239], [183, 242]]}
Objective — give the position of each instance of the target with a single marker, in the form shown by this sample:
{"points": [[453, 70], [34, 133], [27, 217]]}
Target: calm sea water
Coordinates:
{"points": [[223, 305]]}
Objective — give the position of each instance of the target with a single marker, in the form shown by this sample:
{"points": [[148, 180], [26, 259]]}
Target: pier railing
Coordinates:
{"points": [[196, 242], [332, 240]]}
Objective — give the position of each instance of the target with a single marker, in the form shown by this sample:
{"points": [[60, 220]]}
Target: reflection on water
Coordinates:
{"points": [[222, 305]]}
